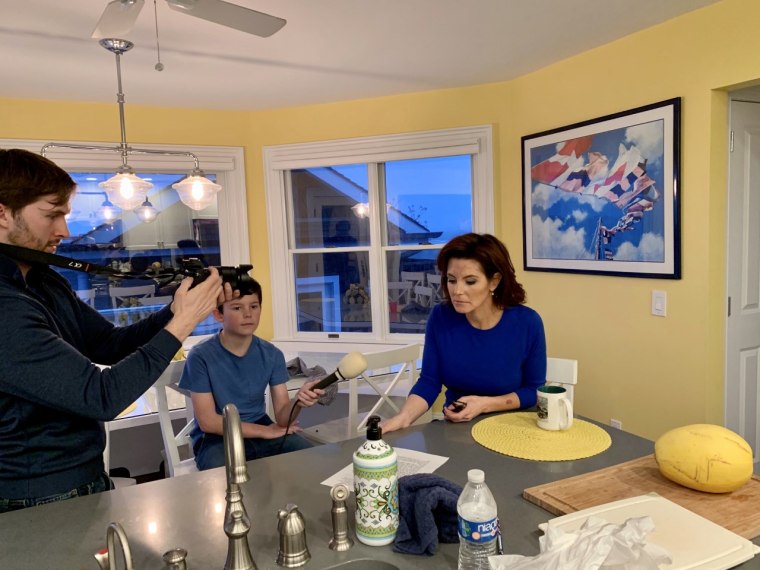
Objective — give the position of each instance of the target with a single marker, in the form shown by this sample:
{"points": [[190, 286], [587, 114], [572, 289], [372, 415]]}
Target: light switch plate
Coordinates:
{"points": [[659, 303]]}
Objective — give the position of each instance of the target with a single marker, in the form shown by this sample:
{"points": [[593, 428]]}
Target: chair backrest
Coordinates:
{"points": [[424, 295], [118, 482], [173, 441], [416, 277], [87, 295], [434, 281], [381, 363], [161, 300], [562, 372], [121, 293], [399, 292]]}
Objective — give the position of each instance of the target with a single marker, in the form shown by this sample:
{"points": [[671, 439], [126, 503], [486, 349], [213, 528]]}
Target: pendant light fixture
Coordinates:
{"points": [[146, 212], [127, 190], [107, 211]]}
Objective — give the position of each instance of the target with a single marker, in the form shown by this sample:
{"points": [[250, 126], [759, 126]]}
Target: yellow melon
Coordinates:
{"points": [[704, 457]]}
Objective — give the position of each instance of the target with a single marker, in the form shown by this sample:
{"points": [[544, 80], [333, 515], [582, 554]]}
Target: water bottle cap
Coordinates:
{"points": [[476, 476]]}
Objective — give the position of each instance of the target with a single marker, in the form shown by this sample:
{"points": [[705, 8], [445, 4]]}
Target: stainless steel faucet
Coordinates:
{"points": [[236, 521], [106, 560]]}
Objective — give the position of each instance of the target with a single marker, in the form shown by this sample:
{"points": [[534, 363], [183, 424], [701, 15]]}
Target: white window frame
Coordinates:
{"points": [[475, 141]]}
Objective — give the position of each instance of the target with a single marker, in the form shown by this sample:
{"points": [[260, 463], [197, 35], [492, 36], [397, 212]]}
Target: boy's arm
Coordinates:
{"points": [[210, 422], [282, 406]]}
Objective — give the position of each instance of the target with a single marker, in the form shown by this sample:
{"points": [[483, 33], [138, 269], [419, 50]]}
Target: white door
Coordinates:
{"points": [[743, 275]]}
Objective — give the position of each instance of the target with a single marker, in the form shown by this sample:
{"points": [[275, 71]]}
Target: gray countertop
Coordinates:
{"points": [[187, 511]]}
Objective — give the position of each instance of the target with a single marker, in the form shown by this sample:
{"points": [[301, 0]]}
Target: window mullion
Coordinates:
{"points": [[376, 271]]}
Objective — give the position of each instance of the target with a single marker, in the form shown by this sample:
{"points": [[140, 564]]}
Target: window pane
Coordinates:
{"points": [[429, 201], [126, 243], [330, 206], [332, 292], [413, 289]]}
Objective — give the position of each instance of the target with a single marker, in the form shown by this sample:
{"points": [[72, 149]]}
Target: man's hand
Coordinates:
{"points": [[227, 294], [191, 306]]}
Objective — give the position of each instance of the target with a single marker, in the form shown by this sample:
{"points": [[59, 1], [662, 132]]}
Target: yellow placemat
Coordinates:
{"points": [[517, 434]]}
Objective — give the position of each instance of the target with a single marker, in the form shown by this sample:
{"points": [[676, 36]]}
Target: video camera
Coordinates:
{"points": [[237, 277]]}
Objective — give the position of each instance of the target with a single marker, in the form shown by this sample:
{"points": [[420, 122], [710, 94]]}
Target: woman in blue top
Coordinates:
{"points": [[482, 342]]}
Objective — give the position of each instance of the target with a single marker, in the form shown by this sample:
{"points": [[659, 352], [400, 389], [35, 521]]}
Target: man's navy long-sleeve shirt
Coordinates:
{"points": [[53, 398]]}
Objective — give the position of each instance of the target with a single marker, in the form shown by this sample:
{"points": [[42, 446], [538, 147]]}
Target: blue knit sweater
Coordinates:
{"points": [[510, 357], [53, 399]]}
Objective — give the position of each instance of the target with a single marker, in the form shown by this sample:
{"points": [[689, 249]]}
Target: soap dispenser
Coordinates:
{"points": [[376, 488]]}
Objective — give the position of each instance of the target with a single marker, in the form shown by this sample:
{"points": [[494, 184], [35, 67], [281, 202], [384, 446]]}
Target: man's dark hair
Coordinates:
{"points": [[252, 288], [25, 177]]}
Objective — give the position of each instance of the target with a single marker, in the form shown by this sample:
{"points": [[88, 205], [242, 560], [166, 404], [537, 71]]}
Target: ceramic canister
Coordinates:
{"points": [[376, 488]]}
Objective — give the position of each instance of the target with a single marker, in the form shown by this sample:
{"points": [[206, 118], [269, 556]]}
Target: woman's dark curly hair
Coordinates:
{"points": [[493, 257]]}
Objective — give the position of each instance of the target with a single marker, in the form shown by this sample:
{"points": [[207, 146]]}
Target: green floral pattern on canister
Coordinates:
{"points": [[376, 488]]}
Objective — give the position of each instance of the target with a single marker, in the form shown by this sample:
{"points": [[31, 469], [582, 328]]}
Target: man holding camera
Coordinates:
{"points": [[53, 398]]}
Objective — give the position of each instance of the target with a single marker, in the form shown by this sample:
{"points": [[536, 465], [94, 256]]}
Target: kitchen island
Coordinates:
{"points": [[187, 511]]}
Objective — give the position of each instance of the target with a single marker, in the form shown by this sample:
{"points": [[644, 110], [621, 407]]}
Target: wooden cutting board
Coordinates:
{"points": [[739, 511]]}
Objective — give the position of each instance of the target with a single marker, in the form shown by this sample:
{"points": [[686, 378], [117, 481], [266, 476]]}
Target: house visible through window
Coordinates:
{"points": [[362, 236]]}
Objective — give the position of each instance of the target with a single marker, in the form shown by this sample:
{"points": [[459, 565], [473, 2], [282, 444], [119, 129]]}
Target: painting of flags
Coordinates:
{"points": [[602, 196]]}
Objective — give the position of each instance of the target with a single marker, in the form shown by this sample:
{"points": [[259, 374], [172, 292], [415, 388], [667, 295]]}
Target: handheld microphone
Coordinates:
{"points": [[350, 366]]}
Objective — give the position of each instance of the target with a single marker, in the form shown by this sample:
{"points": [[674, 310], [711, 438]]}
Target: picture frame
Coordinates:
{"points": [[602, 196]]}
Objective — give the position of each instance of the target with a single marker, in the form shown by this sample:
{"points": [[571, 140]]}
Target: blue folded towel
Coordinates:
{"points": [[427, 513]]}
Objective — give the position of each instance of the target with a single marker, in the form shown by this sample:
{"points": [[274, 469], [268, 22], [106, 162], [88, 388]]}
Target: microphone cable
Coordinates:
{"points": [[287, 426]]}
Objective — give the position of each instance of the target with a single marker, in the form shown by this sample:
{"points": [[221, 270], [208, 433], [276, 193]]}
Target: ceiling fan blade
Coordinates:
{"points": [[230, 15], [117, 19]]}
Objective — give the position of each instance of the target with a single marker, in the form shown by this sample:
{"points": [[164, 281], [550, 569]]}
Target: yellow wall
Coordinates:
{"points": [[652, 373]]}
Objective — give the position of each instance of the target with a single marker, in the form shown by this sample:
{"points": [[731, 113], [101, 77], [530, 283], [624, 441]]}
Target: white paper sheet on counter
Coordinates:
{"points": [[409, 463]]}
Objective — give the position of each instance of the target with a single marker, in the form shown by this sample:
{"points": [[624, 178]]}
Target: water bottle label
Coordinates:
{"points": [[478, 531]]}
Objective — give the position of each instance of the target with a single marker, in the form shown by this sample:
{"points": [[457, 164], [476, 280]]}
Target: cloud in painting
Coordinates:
{"points": [[648, 138], [549, 242], [579, 216], [651, 249]]}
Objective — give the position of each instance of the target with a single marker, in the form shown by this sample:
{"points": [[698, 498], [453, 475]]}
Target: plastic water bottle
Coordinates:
{"points": [[478, 525]]}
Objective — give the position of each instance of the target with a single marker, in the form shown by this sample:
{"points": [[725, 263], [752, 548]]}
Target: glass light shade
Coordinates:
{"points": [[360, 209], [196, 191], [125, 189], [107, 212], [146, 212]]}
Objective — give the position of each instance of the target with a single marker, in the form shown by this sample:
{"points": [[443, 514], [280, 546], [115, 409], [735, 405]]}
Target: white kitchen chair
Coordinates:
{"points": [[161, 300], [381, 363], [120, 294], [416, 278], [562, 372], [434, 281], [173, 441], [87, 295], [118, 482]]}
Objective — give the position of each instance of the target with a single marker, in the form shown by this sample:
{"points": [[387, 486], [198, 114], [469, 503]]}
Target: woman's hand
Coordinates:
{"points": [[306, 396], [473, 407], [397, 422]]}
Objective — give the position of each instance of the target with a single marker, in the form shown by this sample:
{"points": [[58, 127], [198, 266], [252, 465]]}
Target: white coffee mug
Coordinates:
{"points": [[555, 411]]}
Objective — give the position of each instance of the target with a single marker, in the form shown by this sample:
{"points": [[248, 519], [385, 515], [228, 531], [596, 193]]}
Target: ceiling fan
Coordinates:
{"points": [[120, 15]]}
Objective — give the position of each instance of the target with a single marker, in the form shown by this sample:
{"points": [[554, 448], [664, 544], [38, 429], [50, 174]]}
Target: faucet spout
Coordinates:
{"points": [[236, 521], [107, 559]]}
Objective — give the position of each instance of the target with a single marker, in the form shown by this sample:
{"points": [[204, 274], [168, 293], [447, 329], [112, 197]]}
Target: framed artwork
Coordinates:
{"points": [[602, 196]]}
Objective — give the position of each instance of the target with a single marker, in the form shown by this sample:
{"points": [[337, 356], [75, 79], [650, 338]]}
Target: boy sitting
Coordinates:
{"points": [[235, 367]]}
